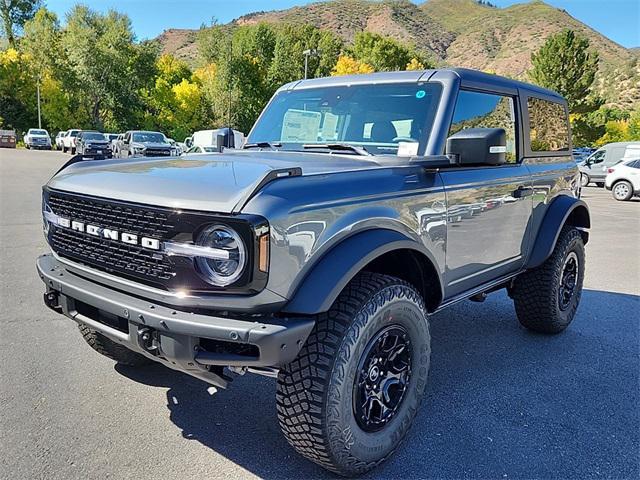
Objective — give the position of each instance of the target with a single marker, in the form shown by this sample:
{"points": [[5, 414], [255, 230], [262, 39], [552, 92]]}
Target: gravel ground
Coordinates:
{"points": [[502, 402]]}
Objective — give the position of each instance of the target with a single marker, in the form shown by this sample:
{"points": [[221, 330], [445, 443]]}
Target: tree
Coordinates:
{"points": [[415, 64], [107, 68], [347, 65], [565, 64], [248, 63], [587, 128], [17, 91], [384, 53], [14, 14]]}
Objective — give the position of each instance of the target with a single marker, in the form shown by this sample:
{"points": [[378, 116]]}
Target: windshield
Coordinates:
{"points": [[376, 117], [148, 137], [38, 132], [92, 136]]}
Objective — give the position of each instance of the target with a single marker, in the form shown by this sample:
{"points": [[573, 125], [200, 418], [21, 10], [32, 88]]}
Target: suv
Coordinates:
{"points": [[139, 143], [93, 144], [37, 138], [359, 206]]}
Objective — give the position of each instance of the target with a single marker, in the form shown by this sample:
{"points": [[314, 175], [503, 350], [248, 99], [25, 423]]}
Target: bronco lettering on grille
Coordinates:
{"points": [[109, 233]]}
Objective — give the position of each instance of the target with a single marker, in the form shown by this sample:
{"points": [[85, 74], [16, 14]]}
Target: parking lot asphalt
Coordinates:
{"points": [[501, 402]]}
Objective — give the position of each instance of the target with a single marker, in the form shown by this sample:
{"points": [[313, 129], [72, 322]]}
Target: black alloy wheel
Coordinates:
{"points": [[383, 377]]}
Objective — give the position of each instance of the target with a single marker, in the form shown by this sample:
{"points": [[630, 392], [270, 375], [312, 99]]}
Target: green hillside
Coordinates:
{"points": [[457, 33]]}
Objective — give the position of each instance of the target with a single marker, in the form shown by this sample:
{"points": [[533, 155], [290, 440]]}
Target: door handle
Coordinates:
{"points": [[522, 192]]}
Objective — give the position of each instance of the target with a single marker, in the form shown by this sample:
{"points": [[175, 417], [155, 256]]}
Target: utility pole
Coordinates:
{"points": [[308, 53], [38, 94]]}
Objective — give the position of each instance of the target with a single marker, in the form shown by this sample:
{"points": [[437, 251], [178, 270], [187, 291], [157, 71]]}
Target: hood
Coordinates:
{"points": [[216, 182]]}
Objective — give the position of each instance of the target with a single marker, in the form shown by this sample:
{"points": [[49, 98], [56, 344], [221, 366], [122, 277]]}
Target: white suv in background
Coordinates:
{"points": [[624, 180]]}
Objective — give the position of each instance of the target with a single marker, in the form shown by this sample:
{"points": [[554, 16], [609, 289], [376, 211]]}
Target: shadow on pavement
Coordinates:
{"points": [[501, 402]]}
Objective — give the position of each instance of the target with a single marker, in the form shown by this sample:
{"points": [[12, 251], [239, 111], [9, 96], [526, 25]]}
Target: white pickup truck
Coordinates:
{"points": [[69, 141], [37, 138]]}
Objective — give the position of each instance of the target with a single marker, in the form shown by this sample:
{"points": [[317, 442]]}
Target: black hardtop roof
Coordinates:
{"points": [[466, 75]]}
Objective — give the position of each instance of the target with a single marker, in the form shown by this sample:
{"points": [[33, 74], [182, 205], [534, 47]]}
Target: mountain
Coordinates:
{"points": [[457, 33]]}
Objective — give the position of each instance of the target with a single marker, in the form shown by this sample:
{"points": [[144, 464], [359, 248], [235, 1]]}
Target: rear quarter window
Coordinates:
{"points": [[548, 126]]}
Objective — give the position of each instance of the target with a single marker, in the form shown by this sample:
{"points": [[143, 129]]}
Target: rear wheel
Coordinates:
{"points": [[111, 349], [622, 190], [349, 398], [546, 298]]}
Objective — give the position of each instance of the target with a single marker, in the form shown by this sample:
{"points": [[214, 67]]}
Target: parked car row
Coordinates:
{"points": [[133, 143], [615, 166]]}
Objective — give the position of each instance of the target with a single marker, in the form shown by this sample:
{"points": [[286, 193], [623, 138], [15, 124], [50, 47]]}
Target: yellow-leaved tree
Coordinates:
{"points": [[347, 65], [415, 64]]}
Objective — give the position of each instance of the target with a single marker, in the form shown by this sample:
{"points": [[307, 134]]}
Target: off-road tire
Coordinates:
{"points": [[619, 195], [315, 393], [111, 349], [536, 292]]}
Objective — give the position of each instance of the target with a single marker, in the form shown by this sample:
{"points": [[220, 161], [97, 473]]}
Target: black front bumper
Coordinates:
{"points": [[194, 343]]}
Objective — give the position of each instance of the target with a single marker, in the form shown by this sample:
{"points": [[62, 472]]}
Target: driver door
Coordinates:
{"points": [[488, 207]]}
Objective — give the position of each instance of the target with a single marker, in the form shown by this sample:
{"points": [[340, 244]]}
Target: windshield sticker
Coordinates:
{"points": [[300, 126], [420, 94], [407, 149]]}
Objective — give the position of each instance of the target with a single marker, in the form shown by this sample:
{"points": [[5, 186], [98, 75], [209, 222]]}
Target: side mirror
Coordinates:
{"points": [[478, 146]]}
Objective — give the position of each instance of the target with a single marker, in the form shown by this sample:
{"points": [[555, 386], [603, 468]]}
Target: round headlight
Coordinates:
{"points": [[217, 271]]}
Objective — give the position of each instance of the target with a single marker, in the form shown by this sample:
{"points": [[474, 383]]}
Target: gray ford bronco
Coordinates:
{"points": [[359, 206]]}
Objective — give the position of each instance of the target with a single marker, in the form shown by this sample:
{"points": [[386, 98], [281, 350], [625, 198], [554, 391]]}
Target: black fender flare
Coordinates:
{"points": [[328, 277], [563, 210]]}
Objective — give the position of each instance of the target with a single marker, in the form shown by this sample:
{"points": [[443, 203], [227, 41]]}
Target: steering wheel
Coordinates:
{"points": [[404, 139]]}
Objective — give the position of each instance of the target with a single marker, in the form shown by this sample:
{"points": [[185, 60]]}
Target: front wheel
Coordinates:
{"points": [[584, 179], [349, 398], [622, 190], [546, 298]]}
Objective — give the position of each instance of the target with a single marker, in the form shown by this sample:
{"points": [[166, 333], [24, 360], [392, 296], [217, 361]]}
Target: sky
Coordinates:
{"points": [[617, 19]]}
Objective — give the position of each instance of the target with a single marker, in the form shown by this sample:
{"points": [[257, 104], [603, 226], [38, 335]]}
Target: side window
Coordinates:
{"points": [[486, 110], [548, 126], [597, 157], [127, 136]]}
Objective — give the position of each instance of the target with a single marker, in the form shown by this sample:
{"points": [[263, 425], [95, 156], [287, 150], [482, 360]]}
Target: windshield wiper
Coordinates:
{"points": [[272, 146], [344, 147]]}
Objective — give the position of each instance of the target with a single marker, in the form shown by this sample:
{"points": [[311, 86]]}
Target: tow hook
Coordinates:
{"points": [[52, 300], [147, 339]]}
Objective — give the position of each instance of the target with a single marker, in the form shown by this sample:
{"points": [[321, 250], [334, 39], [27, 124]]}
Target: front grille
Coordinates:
{"points": [[124, 218], [109, 255], [156, 153]]}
